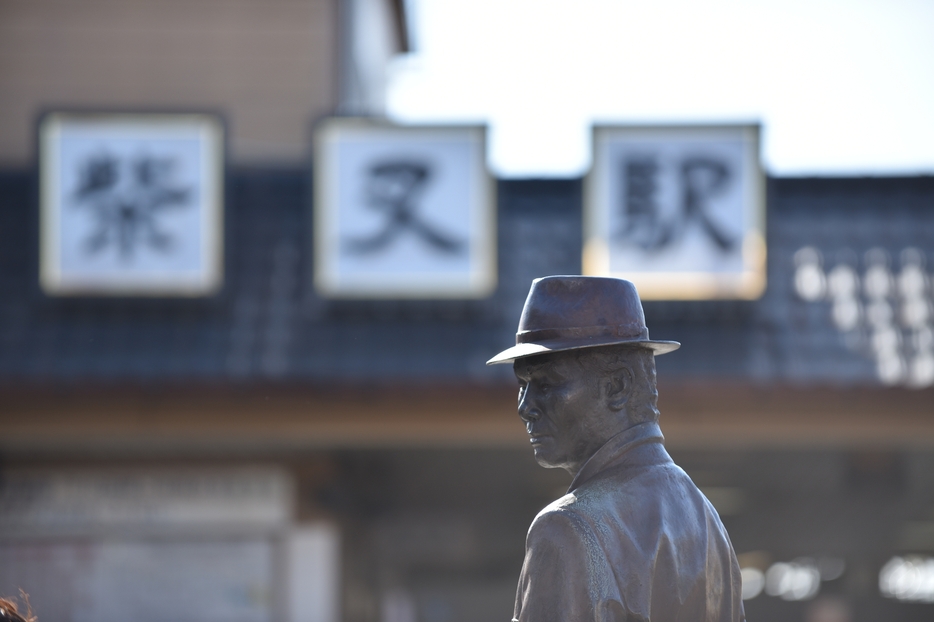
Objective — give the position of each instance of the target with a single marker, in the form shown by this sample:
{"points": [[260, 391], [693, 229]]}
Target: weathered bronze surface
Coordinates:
{"points": [[633, 539]]}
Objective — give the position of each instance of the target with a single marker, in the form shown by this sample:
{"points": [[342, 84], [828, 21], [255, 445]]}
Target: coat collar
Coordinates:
{"points": [[618, 450]]}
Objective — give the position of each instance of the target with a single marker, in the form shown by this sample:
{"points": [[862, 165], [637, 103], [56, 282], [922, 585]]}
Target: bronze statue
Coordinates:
{"points": [[633, 539]]}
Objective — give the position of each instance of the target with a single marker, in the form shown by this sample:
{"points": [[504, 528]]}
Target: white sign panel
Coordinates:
{"points": [[144, 580], [131, 204], [679, 211], [402, 212], [207, 544], [83, 502]]}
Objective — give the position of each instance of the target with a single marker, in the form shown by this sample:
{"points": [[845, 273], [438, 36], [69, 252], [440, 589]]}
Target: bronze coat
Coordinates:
{"points": [[634, 539]]}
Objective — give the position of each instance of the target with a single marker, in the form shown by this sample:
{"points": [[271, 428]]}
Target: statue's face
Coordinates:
{"points": [[562, 410]]}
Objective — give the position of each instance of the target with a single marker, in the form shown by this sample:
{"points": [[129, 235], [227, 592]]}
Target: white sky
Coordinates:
{"points": [[841, 87]]}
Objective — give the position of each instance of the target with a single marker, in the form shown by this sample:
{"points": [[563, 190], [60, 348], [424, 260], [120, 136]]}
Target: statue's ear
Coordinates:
{"points": [[618, 389]]}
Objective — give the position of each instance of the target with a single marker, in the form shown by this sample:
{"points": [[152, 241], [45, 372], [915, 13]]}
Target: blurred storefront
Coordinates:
{"points": [[266, 453]]}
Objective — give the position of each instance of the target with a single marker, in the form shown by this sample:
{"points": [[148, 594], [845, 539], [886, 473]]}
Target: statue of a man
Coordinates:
{"points": [[633, 539]]}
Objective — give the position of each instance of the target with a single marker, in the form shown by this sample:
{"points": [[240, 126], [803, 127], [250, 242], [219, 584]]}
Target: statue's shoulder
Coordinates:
{"points": [[561, 524], [564, 510], [567, 516], [562, 505]]}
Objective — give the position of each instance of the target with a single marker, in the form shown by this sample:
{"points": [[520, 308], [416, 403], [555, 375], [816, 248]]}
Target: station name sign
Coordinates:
{"points": [[678, 210]]}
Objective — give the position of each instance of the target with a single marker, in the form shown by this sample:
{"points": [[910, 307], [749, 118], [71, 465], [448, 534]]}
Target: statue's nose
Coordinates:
{"points": [[527, 410]]}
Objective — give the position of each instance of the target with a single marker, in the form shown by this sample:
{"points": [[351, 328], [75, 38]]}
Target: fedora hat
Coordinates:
{"points": [[572, 312]]}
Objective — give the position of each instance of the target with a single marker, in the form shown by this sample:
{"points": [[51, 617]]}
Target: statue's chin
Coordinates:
{"points": [[543, 460]]}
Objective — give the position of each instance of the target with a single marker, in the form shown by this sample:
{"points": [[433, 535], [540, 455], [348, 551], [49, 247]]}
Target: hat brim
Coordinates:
{"points": [[522, 350]]}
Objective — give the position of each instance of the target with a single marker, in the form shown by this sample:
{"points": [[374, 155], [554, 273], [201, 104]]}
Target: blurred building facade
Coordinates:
{"points": [[269, 454]]}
